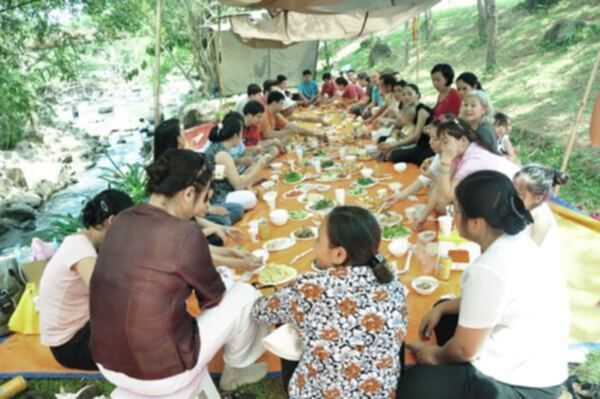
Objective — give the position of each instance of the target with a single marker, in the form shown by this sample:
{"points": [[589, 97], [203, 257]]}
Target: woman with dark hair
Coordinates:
{"points": [[351, 315], [64, 287], [467, 81], [533, 183], [153, 258], [506, 336], [449, 101]]}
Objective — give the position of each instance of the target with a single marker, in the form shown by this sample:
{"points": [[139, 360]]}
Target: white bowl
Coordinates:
{"points": [[350, 158], [425, 285], [279, 217], [426, 236], [261, 254], [398, 247], [277, 165], [366, 172], [269, 184], [395, 187], [371, 149], [269, 196], [400, 167]]}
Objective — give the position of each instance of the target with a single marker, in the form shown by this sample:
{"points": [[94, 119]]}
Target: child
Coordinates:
{"points": [[351, 316], [502, 128]]}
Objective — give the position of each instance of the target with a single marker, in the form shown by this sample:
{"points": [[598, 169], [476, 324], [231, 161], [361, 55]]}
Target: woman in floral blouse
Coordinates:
{"points": [[352, 316]]}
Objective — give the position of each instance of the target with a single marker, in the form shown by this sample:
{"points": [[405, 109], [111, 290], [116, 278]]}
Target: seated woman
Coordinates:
{"points": [[477, 110], [502, 129], [533, 183], [448, 101], [506, 336], [463, 153], [466, 82], [64, 287], [153, 258], [352, 316], [414, 148]]}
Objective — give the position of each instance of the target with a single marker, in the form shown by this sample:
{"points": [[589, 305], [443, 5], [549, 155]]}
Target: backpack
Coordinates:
{"points": [[12, 285]]}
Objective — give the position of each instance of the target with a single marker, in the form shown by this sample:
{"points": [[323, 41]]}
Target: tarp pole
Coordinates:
{"points": [[219, 47], [157, 64], [573, 133]]}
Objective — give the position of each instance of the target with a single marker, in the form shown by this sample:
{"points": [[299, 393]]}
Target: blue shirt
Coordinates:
{"points": [[309, 90], [376, 97]]}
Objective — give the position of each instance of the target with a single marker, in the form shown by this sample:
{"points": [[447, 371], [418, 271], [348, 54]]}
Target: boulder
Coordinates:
{"points": [[18, 212], [379, 52], [106, 110], [564, 30], [45, 189], [67, 159], [16, 176], [30, 199]]}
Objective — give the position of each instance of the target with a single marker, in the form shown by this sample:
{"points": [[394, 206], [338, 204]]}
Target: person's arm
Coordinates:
{"points": [[413, 188], [540, 227], [231, 174], [510, 151], [85, 268], [446, 181], [233, 258]]}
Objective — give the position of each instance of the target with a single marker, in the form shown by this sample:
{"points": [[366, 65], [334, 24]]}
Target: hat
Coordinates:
{"points": [[288, 103]]}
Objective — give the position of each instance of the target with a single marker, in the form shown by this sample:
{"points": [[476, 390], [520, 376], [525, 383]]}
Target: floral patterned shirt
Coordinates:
{"points": [[351, 328]]}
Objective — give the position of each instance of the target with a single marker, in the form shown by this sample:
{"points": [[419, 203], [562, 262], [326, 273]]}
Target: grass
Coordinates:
{"points": [[269, 388], [540, 86]]}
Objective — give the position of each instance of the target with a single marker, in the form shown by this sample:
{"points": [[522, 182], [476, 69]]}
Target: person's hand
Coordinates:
{"points": [[219, 211], [238, 253], [263, 161], [425, 166], [419, 220], [248, 262], [425, 354], [449, 150], [383, 146], [234, 234], [391, 200], [208, 231], [429, 322]]}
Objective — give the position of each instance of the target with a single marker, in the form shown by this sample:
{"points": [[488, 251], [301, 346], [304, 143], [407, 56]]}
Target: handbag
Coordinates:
{"points": [[12, 285]]}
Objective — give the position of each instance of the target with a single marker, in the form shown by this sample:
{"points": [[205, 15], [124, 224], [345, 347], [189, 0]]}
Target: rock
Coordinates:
{"points": [[564, 30], [3, 227], [16, 176], [67, 159], [28, 225], [379, 52], [45, 189], [18, 212], [106, 110], [122, 141], [30, 199]]}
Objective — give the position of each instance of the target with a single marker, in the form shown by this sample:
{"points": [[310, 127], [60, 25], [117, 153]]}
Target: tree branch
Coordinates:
{"points": [[10, 8]]}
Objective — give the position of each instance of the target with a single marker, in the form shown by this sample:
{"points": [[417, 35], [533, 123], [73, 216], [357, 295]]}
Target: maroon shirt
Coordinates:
{"points": [[147, 267]]}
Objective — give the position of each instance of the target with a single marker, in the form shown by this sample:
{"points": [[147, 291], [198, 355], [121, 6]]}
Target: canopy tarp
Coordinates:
{"points": [[322, 19]]}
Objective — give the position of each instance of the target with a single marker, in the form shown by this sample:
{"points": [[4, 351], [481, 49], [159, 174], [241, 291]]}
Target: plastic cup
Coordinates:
{"points": [[299, 154], [219, 172], [340, 196], [317, 165], [410, 214], [445, 223], [382, 192]]}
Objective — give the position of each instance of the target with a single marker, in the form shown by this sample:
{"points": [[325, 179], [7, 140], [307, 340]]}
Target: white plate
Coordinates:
{"points": [[310, 197], [399, 220], [304, 218], [322, 211], [314, 230], [283, 243], [286, 280], [355, 184], [286, 194]]}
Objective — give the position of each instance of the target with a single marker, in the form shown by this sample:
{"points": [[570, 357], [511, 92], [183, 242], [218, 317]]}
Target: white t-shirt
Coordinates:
{"points": [[239, 106], [519, 292], [544, 219]]}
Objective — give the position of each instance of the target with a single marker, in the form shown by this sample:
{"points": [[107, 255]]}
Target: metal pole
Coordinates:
{"points": [[157, 64], [573, 133]]}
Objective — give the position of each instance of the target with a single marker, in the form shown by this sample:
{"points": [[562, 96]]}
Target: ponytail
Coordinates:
{"points": [[380, 269], [231, 126], [539, 179]]}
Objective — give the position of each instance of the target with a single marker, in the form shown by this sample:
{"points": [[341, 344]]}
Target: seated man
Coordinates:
{"points": [[308, 90], [327, 89], [253, 93], [282, 85], [351, 93], [365, 83]]}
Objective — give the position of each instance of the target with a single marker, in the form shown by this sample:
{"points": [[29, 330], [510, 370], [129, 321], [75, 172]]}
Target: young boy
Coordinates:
{"points": [[308, 90], [502, 128]]}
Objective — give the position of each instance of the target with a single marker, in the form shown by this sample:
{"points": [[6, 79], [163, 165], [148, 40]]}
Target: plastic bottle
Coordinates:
{"points": [[13, 387]]}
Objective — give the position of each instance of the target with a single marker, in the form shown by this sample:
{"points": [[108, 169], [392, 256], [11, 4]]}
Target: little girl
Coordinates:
{"points": [[502, 128], [351, 316]]}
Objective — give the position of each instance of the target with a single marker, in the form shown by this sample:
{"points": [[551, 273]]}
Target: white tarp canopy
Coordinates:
{"points": [[292, 21], [241, 64]]}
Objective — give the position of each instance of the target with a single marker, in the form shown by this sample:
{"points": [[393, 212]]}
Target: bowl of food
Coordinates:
{"points": [[400, 167], [305, 233], [279, 217], [277, 165], [425, 285], [366, 172], [267, 185], [323, 206], [426, 236], [399, 247], [395, 187]]}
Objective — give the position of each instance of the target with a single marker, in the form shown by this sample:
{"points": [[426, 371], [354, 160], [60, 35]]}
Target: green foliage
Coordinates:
{"points": [[589, 371], [131, 179], [64, 225], [590, 32]]}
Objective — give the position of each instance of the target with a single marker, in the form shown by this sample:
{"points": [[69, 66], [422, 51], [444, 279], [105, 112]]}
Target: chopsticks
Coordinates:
{"points": [[300, 256], [408, 260]]}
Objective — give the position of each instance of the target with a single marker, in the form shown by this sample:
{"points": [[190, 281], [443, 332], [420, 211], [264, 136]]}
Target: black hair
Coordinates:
{"points": [[231, 125], [275, 96], [341, 81], [253, 108], [363, 76], [165, 137], [350, 70], [402, 83], [388, 80], [471, 79], [268, 85], [326, 76], [281, 79], [192, 118], [176, 170], [446, 71], [307, 72], [501, 118], [357, 231], [104, 205], [457, 128], [491, 195], [253, 89], [541, 179], [415, 88]]}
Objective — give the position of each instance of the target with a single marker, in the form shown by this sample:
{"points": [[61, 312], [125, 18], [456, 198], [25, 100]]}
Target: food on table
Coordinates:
{"points": [[275, 274], [357, 192], [292, 177], [298, 215], [278, 244], [305, 233], [295, 193], [310, 198], [321, 187], [395, 231], [327, 164], [320, 153], [366, 181], [389, 218], [343, 176], [303, 187], [321, 205], [327, 177], [424, 285]]}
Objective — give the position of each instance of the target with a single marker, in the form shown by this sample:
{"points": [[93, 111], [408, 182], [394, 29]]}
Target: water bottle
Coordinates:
{"points": [[13, 387]]}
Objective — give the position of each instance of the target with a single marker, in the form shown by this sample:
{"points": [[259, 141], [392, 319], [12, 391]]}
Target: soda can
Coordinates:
{"points": [[444, 267]]}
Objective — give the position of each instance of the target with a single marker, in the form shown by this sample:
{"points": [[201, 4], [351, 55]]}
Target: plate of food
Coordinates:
{"points": [[299, 215], [343, 176], [294, 193], [328, 164], [389, 218], [303, 187], [293, 177], [357, 192], [279, 244], [365, 182], [322, 206], [276, 274], [305, 233], [310, 197], [322, 188], [327, 177], [390, 233]]}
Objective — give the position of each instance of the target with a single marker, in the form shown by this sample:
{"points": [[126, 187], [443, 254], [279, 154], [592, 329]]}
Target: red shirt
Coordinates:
{"points": [[353, 91], [251, 135], [450, 104], [328, 88]]}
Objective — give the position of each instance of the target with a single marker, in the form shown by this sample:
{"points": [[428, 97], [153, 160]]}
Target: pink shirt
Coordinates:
{"points": [[477, 158], [64, 296], [353, 91]]}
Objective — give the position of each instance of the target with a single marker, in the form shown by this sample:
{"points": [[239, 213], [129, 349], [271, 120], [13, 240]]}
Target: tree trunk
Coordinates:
{"points": [[482, 23], [408, 33], [493, 33], [428, 25]]}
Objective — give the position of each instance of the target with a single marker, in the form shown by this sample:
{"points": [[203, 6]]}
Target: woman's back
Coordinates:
{"points": [[220, 187]]}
